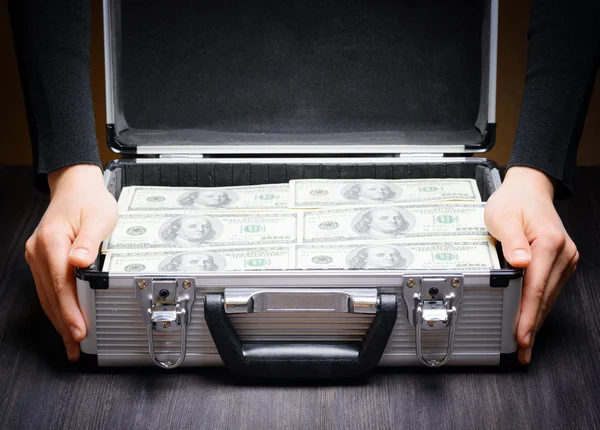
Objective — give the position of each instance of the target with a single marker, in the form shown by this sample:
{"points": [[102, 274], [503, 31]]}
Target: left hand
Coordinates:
{"points": [[521, 215]]}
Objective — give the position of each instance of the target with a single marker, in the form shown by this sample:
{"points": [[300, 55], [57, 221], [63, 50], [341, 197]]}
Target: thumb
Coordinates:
{"points": [[85, 246], [509, 231]]}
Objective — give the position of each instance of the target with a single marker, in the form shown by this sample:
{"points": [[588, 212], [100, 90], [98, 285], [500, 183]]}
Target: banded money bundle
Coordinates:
{"points": [[303, 224]]}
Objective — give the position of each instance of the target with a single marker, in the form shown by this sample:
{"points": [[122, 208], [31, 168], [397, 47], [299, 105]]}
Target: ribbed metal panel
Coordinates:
{"points": [[478, 329], [120, 330]]}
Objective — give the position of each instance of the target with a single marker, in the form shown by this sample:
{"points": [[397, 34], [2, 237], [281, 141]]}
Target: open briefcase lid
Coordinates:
{"points": [[277, 77]]}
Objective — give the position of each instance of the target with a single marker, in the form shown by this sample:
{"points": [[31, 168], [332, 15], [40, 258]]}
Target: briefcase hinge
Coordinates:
{"points": [[166, 305], [432, 303], [420, 155], [184, 156]]}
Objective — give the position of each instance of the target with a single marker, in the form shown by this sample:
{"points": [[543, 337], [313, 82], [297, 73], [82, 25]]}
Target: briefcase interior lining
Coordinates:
{"points": [[244, 75]]}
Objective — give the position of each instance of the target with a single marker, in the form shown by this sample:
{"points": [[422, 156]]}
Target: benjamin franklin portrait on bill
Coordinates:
{"points": [[195, 261], [370, 192], [202, 199], [188, 231], [382, 256], [383, 223]]}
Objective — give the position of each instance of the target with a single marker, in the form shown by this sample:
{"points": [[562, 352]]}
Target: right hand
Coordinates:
{"points": [[81, 214], [521, 215]]}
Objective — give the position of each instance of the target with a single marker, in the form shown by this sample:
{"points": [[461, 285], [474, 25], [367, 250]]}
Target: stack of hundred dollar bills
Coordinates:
{"points": [[303, 224]]}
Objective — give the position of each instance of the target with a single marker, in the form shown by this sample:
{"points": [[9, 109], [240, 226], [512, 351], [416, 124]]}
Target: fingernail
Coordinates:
{"points": [[528, 355], [71, 354], [528, 339], [80, 252], [520, 254], [75, 332]]}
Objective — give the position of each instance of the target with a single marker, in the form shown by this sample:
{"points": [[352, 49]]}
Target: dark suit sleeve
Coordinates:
{"points": [[564, 50], [52, 41]]}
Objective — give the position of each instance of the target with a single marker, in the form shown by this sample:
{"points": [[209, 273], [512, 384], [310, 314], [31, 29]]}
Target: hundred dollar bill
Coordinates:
{"points": [[318, 193], [169, 199], [193, 230], [273, 257], [427, 255], [393, 222]]}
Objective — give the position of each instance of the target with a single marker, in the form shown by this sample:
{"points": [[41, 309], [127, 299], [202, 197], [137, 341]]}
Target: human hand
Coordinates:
{"points": [[81, 214], [521, 215]]}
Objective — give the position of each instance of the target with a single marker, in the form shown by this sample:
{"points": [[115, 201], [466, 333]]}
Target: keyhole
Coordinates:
{"points": [[163, 294], [433, 291]]}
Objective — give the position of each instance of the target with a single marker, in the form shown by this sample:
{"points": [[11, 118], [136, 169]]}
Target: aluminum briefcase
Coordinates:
{"points": [[246, 93]]}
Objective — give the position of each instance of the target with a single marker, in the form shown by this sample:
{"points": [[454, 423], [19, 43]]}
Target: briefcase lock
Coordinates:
{"points": [[166, 306], [432, 304]]}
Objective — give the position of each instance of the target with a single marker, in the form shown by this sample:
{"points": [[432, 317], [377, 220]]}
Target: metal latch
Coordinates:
{"points": [[166, 306], [432, 304], [304, 300]]}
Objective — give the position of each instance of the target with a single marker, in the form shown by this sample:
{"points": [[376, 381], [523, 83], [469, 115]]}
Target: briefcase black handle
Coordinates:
{"points": [[300, 360]]}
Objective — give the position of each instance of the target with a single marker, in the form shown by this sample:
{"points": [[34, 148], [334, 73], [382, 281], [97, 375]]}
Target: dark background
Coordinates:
{"points": [[41, 389]]}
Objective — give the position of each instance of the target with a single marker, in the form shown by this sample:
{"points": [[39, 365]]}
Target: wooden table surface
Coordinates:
{"points": [[41, 389]]}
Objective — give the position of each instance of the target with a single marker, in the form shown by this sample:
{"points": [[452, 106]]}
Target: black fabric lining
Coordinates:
{"points": [[300, 67], [234, 174]]}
